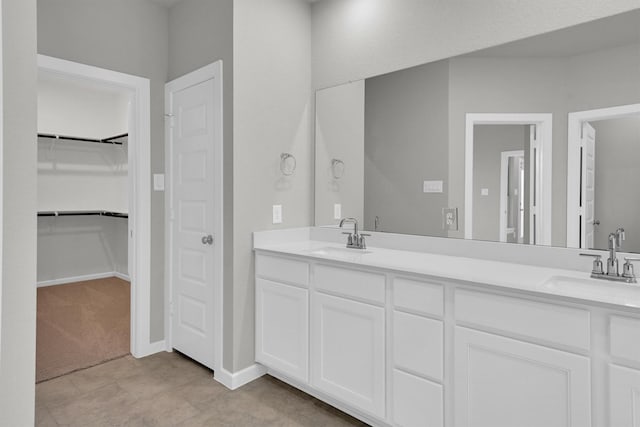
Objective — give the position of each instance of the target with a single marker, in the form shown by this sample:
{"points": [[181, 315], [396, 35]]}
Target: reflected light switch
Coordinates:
{"points": [[432, 187], [484, 192], [337, 211], [158, 182], [277, 214]]}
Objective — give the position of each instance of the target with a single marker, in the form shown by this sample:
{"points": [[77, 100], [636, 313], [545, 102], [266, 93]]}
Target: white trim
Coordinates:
{"points": [[1, 176], [212, 71], [139, 185], [153, 348], [237, 379], [122, 276], [74, 279], [504, 178], [544, 124], [574, 124]]}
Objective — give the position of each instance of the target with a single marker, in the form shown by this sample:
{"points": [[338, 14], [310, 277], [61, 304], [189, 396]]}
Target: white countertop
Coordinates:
{"points": [[549, 281]]}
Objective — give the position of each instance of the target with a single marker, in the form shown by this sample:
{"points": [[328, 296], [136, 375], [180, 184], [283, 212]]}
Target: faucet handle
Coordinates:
{"points": [[597, 263], [627, 270], [349, 239], [363, 243]]}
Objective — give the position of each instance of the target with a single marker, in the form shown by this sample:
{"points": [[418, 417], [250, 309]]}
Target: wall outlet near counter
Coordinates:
{"points": [[450, 219], [337, 211], [432, 186], [277, 214]]}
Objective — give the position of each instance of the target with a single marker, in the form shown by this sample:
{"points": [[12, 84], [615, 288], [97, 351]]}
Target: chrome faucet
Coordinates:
{"points": [[355, 240], [613, 272]]}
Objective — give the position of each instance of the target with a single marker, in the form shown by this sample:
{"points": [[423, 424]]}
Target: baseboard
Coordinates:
{"points": [[149, 349], [122, 276], [237, 379], [64, 280]]}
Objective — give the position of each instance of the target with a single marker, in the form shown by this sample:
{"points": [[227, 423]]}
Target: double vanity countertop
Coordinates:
{"points": [[543, 280]]}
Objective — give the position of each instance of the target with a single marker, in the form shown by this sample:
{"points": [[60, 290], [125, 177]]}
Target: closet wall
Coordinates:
{"points": [[81, 176]]}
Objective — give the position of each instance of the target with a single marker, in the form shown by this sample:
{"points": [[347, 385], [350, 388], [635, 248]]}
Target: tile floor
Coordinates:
{"points": [[168, 389]]}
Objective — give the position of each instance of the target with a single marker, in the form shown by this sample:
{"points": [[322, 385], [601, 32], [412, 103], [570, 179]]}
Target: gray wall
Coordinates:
{"points": [[489, 141], [130, 36], [406, 143], [355, 39], [272, 103], [617, 199], [18, 145], [200, 33], [339, 135]]}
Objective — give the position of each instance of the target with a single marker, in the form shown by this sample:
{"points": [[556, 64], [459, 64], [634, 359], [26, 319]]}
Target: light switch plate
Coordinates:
{"points": [[432, 186], [277, 214], [337, 211], [158, 182], [450, 219], [484, 191]]}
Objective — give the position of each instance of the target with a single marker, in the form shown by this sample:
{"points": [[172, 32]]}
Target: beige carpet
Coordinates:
{"points": [[81, 325]]}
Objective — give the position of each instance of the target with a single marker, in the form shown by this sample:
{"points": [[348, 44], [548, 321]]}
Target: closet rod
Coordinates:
{"points": [[111, 140], [83, 213]]}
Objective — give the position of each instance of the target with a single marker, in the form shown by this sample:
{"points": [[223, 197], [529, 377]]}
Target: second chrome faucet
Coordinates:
{"points": [[355, 240], [613, 271]]}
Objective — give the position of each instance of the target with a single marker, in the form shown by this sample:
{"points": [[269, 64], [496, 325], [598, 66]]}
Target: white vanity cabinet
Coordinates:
{"points": [[348, 337], [282, 315], [417, 353], [624, 381], [522, 379], [398, 348]]}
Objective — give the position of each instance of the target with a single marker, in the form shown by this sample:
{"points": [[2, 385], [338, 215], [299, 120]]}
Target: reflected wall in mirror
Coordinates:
{"points": [[407, 133]]}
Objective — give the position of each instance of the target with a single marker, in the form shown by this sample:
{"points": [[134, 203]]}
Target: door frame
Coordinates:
{"points": [[574, 122], [139, 183], [504, 178], [544, 126], [208, 72]]}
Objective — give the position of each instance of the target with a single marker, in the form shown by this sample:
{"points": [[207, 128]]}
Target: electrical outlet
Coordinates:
{"points": [[450, 219], [337, 211], [277, 214]]}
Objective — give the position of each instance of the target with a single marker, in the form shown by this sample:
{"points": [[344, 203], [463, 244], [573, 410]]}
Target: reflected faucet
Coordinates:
{"points": [[615, 242]]}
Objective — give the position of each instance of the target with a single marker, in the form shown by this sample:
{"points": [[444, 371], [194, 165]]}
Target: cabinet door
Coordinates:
{"points": [[416, 401], [348, 352], [624, 397], [505, 382], [282, 328]]}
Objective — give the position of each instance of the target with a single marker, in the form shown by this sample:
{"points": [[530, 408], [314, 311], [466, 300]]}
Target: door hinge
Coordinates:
{"points": [[171, 118]]}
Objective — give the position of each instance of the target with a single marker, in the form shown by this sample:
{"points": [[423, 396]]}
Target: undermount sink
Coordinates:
{"points": [[587, 286], [333, 252]]}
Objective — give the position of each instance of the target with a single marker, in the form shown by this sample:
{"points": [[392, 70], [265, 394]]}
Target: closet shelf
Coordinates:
{"points": [[83, 213], [114, 140]]}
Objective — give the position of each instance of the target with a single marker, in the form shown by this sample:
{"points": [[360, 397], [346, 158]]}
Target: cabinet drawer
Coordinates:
{"points": [[549, 323], [420, 297], [625, 338], [282, 269], [358, 284], [416, 402], [418, 345]]}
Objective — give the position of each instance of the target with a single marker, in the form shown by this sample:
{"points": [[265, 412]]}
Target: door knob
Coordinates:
{"points": [[207, 240]]}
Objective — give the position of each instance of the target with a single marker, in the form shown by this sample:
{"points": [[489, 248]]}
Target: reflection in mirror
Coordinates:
{"points": [[604, 158], [489, 139], [403, 140]]}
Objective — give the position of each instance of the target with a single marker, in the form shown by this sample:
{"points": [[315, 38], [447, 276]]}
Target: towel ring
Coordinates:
{"points": [[287, 164], [337, 168]]}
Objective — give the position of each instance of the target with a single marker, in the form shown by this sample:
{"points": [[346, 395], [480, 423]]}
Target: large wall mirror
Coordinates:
{"points": [[534, 142]]}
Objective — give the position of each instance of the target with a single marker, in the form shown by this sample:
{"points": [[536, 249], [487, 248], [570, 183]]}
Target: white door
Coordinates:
{"points": [[624, 397], [501, 382], [588, 185], [282, 328], [348, 352], [194, 217]]}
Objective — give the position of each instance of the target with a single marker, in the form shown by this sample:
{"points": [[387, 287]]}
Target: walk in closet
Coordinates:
{"points": [[83, 206]]}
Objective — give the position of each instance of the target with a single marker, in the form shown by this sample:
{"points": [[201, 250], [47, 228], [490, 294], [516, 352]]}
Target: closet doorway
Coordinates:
{"points": [[94, 207]]}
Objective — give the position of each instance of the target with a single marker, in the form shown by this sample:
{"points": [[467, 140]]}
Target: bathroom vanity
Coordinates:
{"points": [[416, 338]]}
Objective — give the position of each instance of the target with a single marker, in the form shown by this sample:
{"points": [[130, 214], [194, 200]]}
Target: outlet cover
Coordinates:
{"points": [[337, 211], [277, 214], [158, 182], [484, 191], [450, 219]]}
